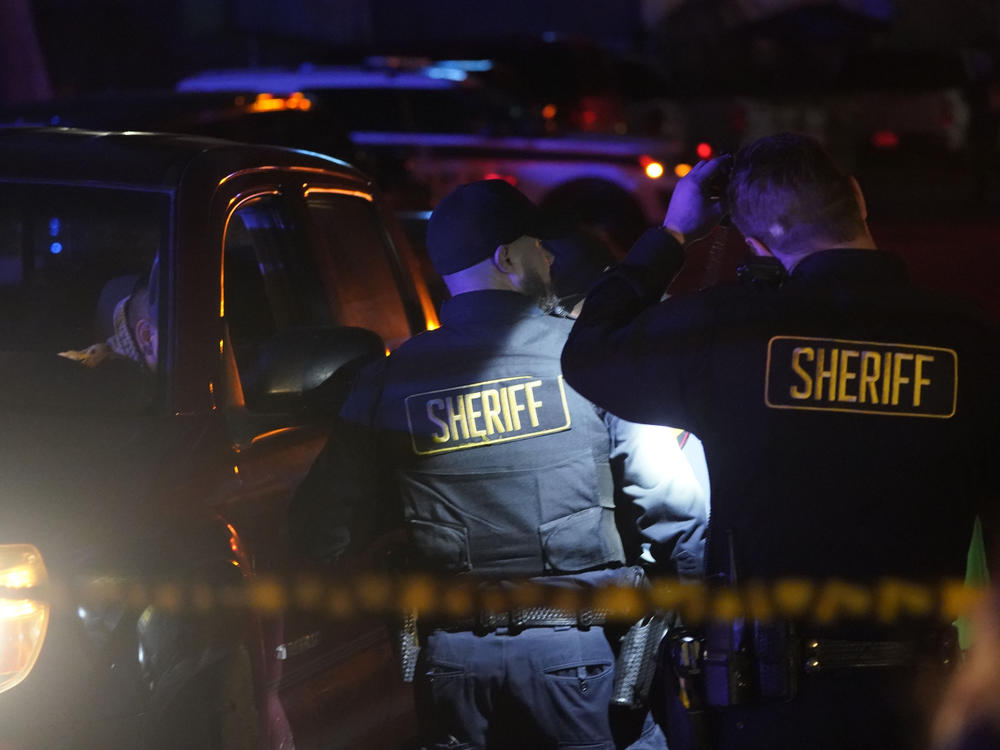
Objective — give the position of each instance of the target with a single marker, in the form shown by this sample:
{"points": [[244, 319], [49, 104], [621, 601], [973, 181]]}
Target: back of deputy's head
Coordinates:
{"points": [[473, 220], [580, 258], [786, 191]]}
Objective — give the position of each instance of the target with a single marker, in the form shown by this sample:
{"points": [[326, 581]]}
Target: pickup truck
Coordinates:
{"points": [[274, 269]]}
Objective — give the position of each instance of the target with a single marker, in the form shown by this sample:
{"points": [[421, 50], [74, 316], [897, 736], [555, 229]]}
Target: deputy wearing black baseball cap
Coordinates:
{"points": [[500, 472], [489, 235]]}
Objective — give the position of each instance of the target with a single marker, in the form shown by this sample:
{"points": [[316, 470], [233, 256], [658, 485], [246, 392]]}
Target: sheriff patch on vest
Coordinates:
{"points": [[904, 380], [478, 414]]}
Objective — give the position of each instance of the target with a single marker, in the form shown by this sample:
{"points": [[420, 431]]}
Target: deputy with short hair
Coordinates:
{"points": [[499, 471], [850, 424]]}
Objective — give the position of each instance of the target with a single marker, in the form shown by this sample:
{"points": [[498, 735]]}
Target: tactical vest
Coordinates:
{"points": [[501, 466]]}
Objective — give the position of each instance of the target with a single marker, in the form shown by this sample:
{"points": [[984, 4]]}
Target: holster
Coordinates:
{"points": [[777, 649], [727, 664], [636, 662], [737, 663]]}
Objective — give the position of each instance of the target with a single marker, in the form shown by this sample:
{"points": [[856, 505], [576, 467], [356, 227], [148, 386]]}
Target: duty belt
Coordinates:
{"points": [[752, 663], [823, 654], [527, 617]]}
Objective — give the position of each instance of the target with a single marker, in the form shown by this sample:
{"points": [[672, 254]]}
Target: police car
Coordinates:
{"points": [[137, 513], [425, 129]]}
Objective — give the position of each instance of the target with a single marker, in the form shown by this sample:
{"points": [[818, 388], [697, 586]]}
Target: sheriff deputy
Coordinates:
{"points": [[499, 471], [850, 424]]}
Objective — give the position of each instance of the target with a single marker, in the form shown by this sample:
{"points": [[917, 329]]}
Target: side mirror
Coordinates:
{"points": [[309, 368]]}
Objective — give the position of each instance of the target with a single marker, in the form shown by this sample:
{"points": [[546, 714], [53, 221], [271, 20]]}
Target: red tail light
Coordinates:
{"points": [[885, 139]]}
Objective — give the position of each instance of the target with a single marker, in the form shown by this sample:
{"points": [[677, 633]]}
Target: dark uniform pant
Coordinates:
{"points": [[851, 709], [539, 688]]}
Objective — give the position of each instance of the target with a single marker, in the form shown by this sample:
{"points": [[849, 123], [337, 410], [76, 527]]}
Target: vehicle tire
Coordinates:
{"points": [[602, 207]]}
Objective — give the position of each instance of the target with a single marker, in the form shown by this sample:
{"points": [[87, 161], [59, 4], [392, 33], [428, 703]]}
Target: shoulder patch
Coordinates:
{"points": [[866, 377], [481, 414]]}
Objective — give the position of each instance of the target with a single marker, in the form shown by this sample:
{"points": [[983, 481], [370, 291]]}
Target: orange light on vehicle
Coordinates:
{"points": [[266, 102], [271, 433], [427, 308], [704, 150], [339, 191], [297, 100], [885, 139], [234, 541], [682, 169], [549, 111]]}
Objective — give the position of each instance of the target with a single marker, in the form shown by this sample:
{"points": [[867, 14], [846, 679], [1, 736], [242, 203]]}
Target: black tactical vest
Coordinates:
{"points": [[501, 466]]}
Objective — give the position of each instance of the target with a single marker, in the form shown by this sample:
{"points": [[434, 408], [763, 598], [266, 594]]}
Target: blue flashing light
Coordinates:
{"points": [[333, 77], [54, 226], [414, 215], [472, 66], [55, 248], [446, 74]]}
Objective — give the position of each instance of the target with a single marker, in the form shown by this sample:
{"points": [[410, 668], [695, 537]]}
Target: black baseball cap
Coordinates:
{"points": [[474, 219]]}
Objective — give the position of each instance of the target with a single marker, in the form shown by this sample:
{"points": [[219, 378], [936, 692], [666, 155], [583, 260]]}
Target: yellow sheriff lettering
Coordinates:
{"points": [[828, 374], [492, 407], [886, 378], [456, 416], [514, 405], [533, 405], [473, 413], [846, 376], [485, 413], [798, 354], [871, 370], [919, 381], [434, 405], [898, 378]]}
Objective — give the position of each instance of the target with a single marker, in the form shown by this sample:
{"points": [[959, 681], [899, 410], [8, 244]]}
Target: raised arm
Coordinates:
{"points": [[626, 350]]}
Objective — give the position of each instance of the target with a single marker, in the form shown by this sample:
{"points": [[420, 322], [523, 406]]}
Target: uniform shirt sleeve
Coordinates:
{"points": [[664, 499], [633, 355], [325, 518]]}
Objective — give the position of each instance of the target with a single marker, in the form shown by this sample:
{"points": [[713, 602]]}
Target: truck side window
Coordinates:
{"points": [[270, 283], [363, 284]]}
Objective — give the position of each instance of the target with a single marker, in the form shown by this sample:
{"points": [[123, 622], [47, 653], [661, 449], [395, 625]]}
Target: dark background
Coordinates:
{"points": [[93, 45], [717, 59]]}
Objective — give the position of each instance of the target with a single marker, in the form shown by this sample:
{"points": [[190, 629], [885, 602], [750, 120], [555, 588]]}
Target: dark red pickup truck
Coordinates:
{"points": [[269, 261]]}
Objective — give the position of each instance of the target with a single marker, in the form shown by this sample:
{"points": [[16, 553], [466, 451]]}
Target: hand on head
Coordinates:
{"points": [[696, 206]]}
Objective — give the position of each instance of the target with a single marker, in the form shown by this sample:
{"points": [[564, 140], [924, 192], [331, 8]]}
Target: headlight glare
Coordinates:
{"points": [[24, 616]]}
